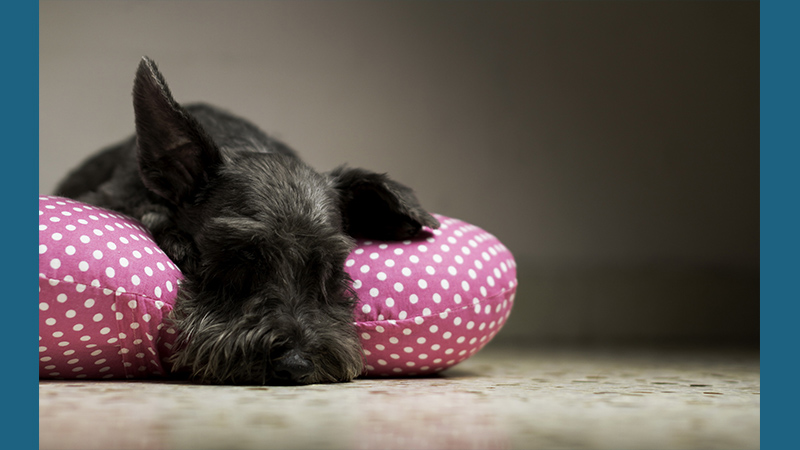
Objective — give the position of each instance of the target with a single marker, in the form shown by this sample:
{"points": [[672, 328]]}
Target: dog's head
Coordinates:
{"points": [[266, 298]]}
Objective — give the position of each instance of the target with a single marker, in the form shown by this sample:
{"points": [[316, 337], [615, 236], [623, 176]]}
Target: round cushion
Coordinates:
{"points": [[429, 303], [106, 290]]}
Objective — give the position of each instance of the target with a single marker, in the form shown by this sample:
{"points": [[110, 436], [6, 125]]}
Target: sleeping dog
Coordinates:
{"points": [[261, 237]]}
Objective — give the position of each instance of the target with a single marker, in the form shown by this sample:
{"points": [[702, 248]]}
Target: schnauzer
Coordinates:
{"points": [[261, 237]]}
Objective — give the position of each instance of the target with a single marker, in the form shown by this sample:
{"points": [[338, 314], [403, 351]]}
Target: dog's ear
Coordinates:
{"points": [[175, 154], [376, 207]]}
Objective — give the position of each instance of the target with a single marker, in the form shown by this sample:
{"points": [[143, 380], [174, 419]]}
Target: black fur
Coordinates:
{"points": [[260, 236]]}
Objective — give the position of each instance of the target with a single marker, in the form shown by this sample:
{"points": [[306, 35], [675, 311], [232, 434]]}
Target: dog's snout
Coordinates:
{"points": [[293, 367]]}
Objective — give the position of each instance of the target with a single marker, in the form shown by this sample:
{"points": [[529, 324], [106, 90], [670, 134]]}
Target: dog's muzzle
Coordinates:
{"points": [[293, 367]]}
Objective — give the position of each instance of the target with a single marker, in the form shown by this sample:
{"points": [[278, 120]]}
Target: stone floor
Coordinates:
{"points": [[502, 398]]}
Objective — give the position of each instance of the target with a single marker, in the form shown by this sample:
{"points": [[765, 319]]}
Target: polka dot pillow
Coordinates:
{"points": [[106, 291]]}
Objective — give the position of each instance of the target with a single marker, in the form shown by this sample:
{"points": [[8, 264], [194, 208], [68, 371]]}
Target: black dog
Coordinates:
{"points": [[260, 236]]}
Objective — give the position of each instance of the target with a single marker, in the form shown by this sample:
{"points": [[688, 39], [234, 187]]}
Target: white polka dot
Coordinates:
{"points": [[89, 303], [398, 287], [364, 268], [381, 276], [365, 336], [110, 272], [83, 266], [373, 292], [389, 263], [390, 302], [42, 249], [85, 239], [413, 299], [43, 306], [69, 250], [422, 284], [135, 280], [55, 263]]}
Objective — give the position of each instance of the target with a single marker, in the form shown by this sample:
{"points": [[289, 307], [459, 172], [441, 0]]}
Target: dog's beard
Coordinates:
{"points": [[219, 343]]}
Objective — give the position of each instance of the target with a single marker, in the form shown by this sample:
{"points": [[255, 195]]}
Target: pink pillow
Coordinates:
{"points": [[105, 290], [428, 304]]}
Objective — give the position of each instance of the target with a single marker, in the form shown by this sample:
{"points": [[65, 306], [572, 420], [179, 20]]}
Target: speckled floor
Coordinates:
{"points": [[502, 398]]}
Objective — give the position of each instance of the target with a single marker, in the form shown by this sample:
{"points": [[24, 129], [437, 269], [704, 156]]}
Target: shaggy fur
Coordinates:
{"points": [[260, 236]]}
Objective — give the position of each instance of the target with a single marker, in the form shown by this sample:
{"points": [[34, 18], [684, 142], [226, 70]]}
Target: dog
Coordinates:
{"points": [[260, 236]]}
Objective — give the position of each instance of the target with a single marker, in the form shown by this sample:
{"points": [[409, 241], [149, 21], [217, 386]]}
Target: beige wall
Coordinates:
{"points": [[583, 134]]}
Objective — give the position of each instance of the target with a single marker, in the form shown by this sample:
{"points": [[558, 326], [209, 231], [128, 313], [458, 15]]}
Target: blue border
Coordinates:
{"points": [[780, 219], [19, 125]]}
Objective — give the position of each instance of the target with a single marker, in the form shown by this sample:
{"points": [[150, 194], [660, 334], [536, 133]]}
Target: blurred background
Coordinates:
{"points": [[612, 146]]}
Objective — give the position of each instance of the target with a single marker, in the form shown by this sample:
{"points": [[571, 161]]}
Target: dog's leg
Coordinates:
{"points": [[178, 245]]}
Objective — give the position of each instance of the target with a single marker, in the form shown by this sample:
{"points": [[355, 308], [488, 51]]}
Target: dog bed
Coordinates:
{"points": [[106, 291]]}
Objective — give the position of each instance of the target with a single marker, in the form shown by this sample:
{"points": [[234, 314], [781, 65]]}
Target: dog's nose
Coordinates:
{"points": [[293, 367]]}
